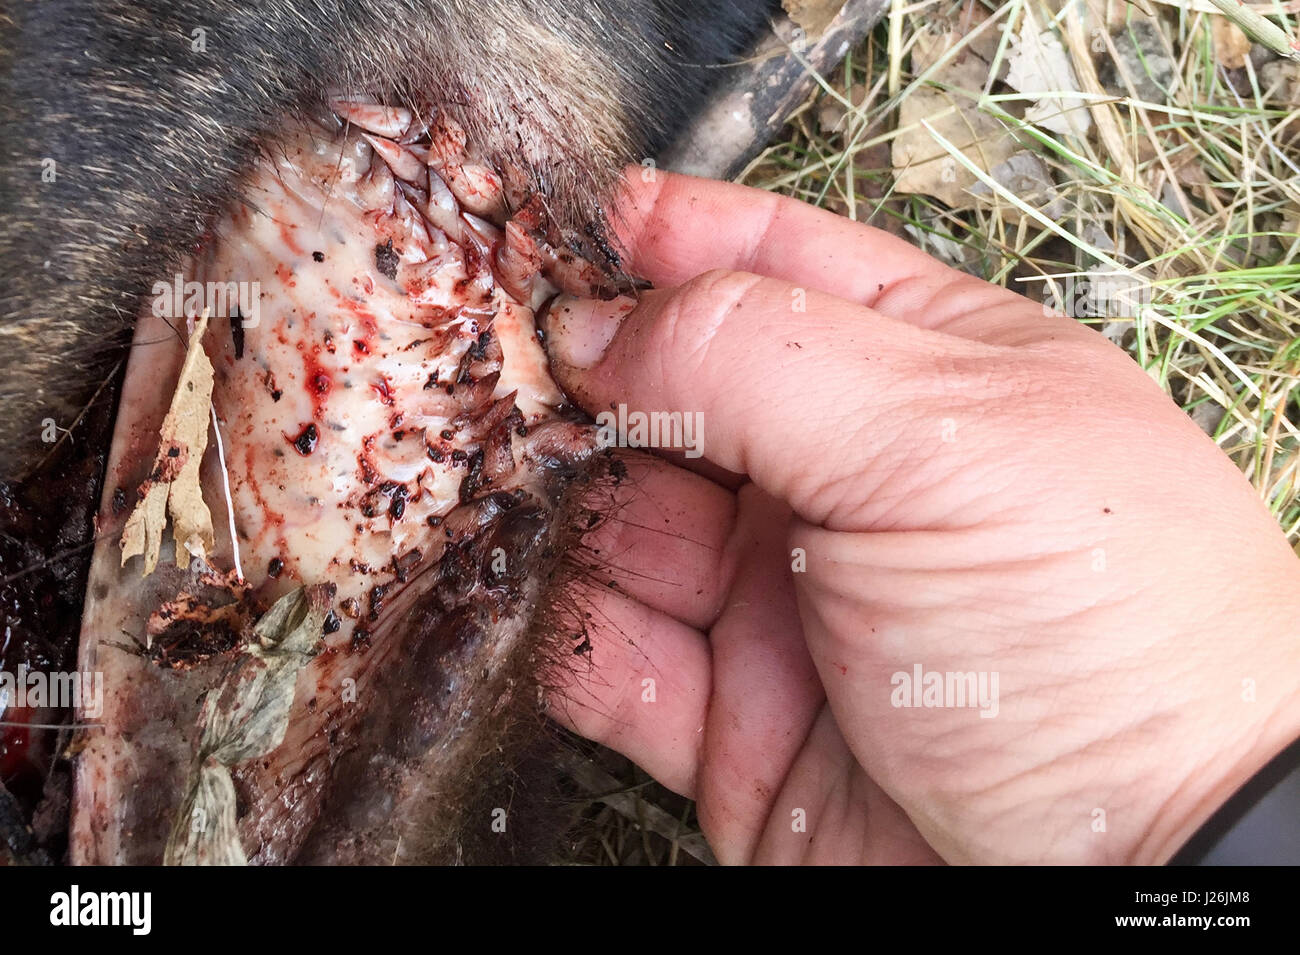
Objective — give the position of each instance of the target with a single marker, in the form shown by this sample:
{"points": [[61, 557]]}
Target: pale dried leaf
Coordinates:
{"points": [[144, 528], [1231, 45], [814, 16], [1027, 176], [1280, 81], [921, 165], [946, 31], [173, 488], [1039, 66], [929, 46]]}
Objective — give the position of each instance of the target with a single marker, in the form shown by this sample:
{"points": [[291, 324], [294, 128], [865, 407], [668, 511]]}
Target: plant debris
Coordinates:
{"points": [[245, 717], [921, 165], [172, 488], [1039, 67]]}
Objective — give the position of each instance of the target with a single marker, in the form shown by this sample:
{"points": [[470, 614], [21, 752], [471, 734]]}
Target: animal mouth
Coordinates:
{"points": [[388, 449]]}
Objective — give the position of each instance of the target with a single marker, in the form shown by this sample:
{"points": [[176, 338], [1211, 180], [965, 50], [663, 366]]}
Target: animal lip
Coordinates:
{"points": [[388, 428]]}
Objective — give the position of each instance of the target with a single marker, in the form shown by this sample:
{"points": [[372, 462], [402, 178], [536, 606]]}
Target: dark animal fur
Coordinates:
{"points": [[149, 135]]}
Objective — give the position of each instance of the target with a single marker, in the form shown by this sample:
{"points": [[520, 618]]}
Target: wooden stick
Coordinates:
{"points": [[751, 105]]}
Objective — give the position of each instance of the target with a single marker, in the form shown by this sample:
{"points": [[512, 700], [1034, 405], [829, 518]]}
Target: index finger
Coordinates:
{"points": [[672, 227]]}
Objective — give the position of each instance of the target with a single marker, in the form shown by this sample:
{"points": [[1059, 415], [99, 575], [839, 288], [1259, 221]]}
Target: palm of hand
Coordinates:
{"points": [[961, 483]]}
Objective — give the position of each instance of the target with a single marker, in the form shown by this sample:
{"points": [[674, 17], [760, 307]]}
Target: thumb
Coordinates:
{"points": [[817, 400]]}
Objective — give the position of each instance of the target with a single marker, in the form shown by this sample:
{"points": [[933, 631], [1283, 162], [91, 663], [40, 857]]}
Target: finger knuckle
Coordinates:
{"points": [[696, 322]]}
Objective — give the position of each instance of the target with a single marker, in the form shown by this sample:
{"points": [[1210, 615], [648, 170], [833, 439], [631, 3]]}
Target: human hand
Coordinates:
{"points": [[975, 486]]}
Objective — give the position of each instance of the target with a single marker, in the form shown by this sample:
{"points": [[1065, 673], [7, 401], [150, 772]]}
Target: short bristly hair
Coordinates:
{"points": [[125, 126]]}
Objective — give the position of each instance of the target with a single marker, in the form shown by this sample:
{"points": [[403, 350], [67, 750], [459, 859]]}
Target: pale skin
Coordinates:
{"points": [[975, 485]]}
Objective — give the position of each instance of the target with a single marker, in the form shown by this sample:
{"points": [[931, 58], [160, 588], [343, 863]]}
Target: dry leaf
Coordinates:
{"points": [[1027, 177], [921, 165], [1280, 81], [946, 31], [930, 45], [172, 487], [1231, 45], [1039, 66], [813, 16]]}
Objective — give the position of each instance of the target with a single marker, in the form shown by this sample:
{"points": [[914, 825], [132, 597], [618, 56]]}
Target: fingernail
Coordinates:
{"points": [[579, 330]]}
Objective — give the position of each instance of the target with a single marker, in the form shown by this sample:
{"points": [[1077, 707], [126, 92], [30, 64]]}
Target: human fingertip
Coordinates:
{"points": [[579, 330]]}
